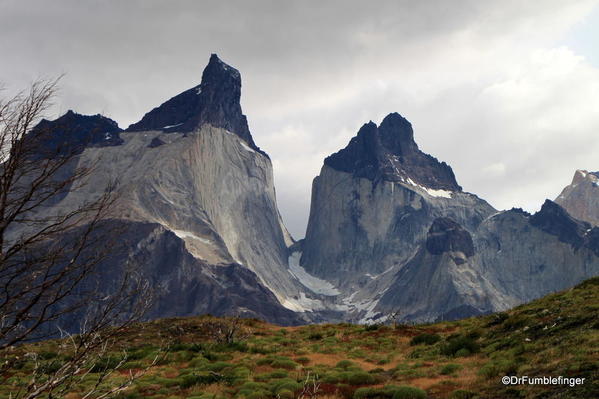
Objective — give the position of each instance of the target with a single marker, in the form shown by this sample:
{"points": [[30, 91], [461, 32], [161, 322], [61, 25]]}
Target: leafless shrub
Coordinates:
{"points": [[226, 330], [49, 256], [311, 387]]}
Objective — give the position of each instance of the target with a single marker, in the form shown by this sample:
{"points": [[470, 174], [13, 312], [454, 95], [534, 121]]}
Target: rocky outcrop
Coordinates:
{"points": [[441, 282], [554, 220], [581, 197], [389, 152], [445, 235], [72, 133], [205, 191], [215, 101], [391, 230], [368, 221]]}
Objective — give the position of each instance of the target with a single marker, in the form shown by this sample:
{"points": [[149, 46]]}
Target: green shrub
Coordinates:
{"points": [[405, 392], [499, 367], [279, 374], [106, 363], [315, 336], [254, 390], [450, 368], [360, 378], [350, 377], [141, 353], [463, 352], [426, 339], [365, 392], [345, 364], [47, 355], [50, 367], [284, 384], [514, 322], [497, 318], [385, 392], [303, 360], [284, 364], [219, 366], [285, 394], [455, 344], [132, 365], [191, 380], [264, 361], [372, 327], [463, 394]]}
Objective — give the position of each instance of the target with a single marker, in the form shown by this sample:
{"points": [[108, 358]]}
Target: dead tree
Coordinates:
{"points": [[49, 256], [226, 330]]}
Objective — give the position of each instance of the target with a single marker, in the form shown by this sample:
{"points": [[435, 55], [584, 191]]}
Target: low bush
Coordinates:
{"points": [[315, 336], [284, 364], [405, 392], [463, 394], [425, 339], [450, 368], [372, 327], [456, 344], [345, 364]]}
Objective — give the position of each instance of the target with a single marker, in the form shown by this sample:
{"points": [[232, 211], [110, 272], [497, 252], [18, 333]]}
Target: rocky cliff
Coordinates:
{"points": [[391, 230], [581, 197], [201, 194]]}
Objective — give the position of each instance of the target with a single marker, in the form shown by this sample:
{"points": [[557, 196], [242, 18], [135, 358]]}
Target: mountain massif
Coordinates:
{"points": [[390, 230]]}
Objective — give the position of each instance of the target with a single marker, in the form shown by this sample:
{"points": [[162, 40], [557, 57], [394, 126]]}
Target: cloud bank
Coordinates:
{"points": [[499, 90]]}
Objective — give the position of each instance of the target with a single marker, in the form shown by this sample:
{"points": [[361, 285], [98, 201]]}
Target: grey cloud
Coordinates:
{"points": [[315, 71]]}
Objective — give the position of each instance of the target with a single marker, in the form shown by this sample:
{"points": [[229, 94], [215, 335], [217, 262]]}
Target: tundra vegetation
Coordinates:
{"points": [[216, 358]]}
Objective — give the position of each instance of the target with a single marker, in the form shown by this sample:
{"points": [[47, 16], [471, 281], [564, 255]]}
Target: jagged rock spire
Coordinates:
{"points": [[72, 132], [389, 152], [216, 100]]}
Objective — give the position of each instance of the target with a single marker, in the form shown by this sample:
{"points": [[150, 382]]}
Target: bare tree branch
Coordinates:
{"points": [[49, 256]]}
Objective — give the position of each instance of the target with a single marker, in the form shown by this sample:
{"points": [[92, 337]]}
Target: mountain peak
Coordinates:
{"points": [[72, 132], [555, 220], [217, 70], [581, 197], [216, 101], [389, 152]]}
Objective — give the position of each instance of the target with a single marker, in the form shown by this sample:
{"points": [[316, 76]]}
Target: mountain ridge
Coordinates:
{"points": [[389, 225]]}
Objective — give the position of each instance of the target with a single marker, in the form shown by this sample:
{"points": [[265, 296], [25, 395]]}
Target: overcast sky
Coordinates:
{"points": [[506, 92]]}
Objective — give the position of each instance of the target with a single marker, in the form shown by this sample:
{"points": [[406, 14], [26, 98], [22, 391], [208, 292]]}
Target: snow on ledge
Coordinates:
{"points": [[169, 126], [187, 234], [430, 191], [302, 304], [315, 284], [245, 146]]}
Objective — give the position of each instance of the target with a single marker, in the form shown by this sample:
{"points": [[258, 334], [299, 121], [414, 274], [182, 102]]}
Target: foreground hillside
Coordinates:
{"points": [[557, 335]]}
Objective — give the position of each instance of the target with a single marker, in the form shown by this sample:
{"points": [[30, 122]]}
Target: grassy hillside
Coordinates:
{"points": [[556, 335]]}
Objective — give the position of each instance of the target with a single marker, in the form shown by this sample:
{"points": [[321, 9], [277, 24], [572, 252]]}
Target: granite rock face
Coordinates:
{"points": [[72, 133], [215, 101], [581, 197], [389, 152], [199, 199], [445, 235], [391, 230]]}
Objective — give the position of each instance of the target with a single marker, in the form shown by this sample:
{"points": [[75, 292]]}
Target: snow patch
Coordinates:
{"points": [[314, 284], [187, 234], [430, 191], [169, 126], [366, 305], [245, 146], [302, 304], [199, 90]]}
